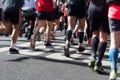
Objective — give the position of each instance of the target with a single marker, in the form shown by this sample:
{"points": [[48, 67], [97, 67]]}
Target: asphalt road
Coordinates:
{"points": [[48, 63]]}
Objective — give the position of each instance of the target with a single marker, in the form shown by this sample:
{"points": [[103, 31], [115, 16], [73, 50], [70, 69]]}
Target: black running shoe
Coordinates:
{"points": [[48, 44], [13, 51], [81, 48]]}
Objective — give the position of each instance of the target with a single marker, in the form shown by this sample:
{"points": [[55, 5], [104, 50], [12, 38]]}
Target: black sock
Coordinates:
{"points": [[61, 26], [94, 46], [65, 28], [101, 50], [31, 29], [68, 35], [80, 36]]}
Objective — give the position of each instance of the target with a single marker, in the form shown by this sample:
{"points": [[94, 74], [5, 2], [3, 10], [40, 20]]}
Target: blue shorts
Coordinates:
{"points": [[114, 25]]}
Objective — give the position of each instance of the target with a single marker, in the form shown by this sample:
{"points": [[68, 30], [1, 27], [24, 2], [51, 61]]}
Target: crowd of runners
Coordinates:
{"points": [[90, 20]]}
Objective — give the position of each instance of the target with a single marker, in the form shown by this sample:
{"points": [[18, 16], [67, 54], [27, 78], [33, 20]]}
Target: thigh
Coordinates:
{"points": [[81, 23], [41, 23], [71, 22], [115, 39]]}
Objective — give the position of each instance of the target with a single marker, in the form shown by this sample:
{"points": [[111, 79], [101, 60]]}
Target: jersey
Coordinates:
{"points": [[28, 4], [114, 11], [45, 6], [12, 4], [1, 5]]}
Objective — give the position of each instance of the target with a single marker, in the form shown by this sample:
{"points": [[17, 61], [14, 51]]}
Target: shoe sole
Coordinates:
{"points": [[14, 53], [112, 79], [99, 72]]}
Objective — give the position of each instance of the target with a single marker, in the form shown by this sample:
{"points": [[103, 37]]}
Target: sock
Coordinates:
{"points": [[31, 30], [94, 46], [101, 50], [80, 36], [113, 54], [65, 26], [12, 45], [61, 26], [68, 35]]}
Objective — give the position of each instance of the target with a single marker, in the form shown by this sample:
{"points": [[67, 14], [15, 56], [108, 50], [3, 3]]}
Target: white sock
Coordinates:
{"points": [[80, 44], [12, 45], [67, 42]]}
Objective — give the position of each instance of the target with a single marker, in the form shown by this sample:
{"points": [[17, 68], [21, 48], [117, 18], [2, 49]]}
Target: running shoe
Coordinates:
{"points": [[13, 51], [99, 69], [113, 75], [47, 44], [81, 48], [91, 63], [89, 42]]}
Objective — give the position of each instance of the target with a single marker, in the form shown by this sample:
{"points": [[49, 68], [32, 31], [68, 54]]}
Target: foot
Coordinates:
{"points": [[99, 69], [81, 48], [91, 63], [47, 44], [13, 51], [53, 35], [89, 42], [32, 43], [113, 75]]}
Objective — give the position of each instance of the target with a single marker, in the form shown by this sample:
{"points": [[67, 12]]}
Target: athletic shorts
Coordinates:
{"points": [[12, 16], [30, 18], [98, 19], [1, 15], [45, 16], [100, 23], [56, 13], [79, 10], [114, 25]]}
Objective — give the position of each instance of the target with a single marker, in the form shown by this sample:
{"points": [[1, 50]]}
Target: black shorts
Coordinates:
{"points": [[30, 18], [79, 10], [45, 16], [1, 15], [98, 19], [56, 13], [12, 16], [100, 23], [114, 25]]}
